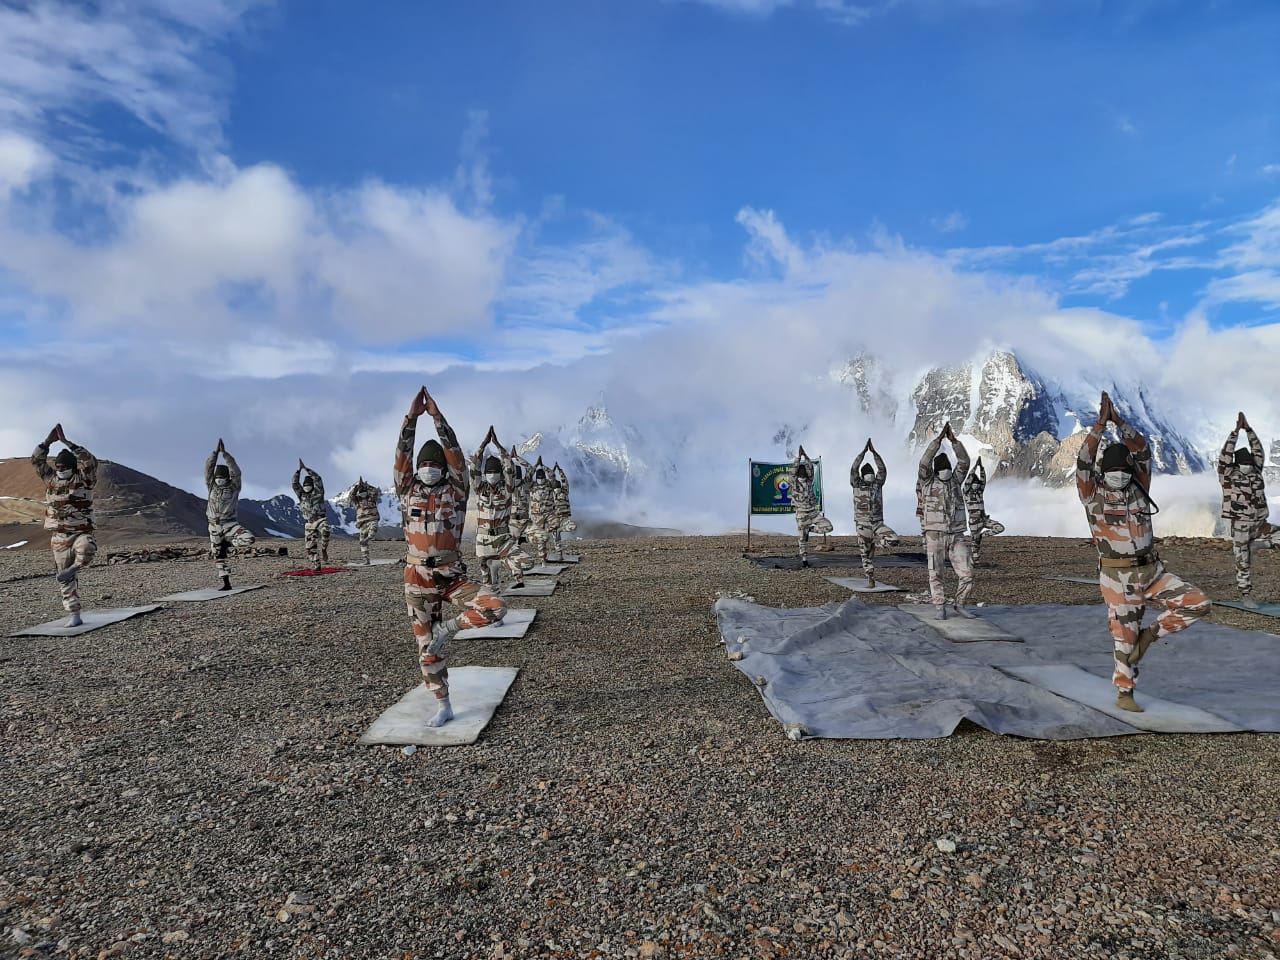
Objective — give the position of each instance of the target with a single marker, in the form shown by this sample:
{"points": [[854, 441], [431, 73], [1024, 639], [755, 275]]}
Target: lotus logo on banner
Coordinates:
{"points": [[771, 486]]}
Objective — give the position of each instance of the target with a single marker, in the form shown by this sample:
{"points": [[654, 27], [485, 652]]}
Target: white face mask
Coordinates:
{"points": [[64, 474], [430, 475], [221, 482], [1117, 479], [493, 479], [944, 474], [1246, 468]]}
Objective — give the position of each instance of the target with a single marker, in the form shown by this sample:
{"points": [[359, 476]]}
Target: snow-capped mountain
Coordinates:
{"points": [[280, 516]]}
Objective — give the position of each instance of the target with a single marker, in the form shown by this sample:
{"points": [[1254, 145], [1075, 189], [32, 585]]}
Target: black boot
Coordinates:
{"points": [[226, 583]]}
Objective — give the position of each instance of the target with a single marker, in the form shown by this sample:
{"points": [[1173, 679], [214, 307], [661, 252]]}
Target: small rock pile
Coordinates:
{"points": [[160, 554]]}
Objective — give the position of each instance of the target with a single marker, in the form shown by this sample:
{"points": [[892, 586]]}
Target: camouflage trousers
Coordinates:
{"points": [[69, 549], [224, 534], [939, 547], [541, 532], [1128, 591], [499, 552], [868, 539], [316, 537], [367, 530], [981, 525], [811, 521], [425, 590], [519, 527], [1245, 536]]}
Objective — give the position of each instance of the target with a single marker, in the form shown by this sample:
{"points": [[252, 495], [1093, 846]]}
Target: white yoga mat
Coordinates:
{"points": [[956, 628], [513, 626], [859, 585], [1262, 610], [209, 593], [474, 694], [1158, 716], [93, 619], [532, 588]]}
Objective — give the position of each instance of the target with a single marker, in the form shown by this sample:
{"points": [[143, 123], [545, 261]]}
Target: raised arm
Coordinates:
{"points": [[962, 456], [40, 456], [87, 463], [318, 482], [1137, 445], [233, 469], [856, 469], [1087, 458], [297, 481], [926, 459], [1255, 446], [402, 472], [882, 472], [1227, 458], [453, 455]]}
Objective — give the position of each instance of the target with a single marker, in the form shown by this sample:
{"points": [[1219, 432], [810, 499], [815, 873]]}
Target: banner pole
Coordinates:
{"points": [[749, 463]]}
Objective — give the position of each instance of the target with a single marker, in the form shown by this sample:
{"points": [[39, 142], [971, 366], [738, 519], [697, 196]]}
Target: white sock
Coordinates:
{"points": [[443, 714]]}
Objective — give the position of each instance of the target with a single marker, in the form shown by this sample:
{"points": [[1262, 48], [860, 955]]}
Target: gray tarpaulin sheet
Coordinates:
{"points": [[870, 672]]}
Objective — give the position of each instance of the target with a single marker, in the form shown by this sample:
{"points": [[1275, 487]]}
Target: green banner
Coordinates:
{"points": [[771, 486]]}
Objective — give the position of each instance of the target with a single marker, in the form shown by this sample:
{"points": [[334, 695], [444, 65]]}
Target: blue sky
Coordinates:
{"points": [[310, 206]]}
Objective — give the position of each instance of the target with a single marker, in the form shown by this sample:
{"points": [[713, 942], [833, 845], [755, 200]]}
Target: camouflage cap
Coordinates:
{"points": [[1245, 456], [941, 462], [222, 471], [431, 452], [868, 470], [66, 460], [1116, 457], [804, 470], [492, 465]]}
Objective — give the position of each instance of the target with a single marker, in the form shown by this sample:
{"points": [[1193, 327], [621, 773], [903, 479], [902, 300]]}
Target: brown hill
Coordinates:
{"points": [[129, 506]]}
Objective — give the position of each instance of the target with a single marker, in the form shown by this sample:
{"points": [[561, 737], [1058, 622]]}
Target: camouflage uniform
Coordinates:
{"points": [[940, 507], [519, 496], [543, 522], [68, 513], [868, 511], [434, 572], [366, 498], [980, 523], [315, 514], [1130, 574], [496, 548], [564, 512], [224, 529], [1244, 503], [804, 500]]}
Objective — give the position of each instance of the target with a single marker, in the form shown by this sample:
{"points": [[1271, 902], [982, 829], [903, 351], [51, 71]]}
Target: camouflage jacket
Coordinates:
{"points": [[223, 501], [940, 503], [1244, 496], [493, 500], [68, 503], [1120, 520], [542, 501], [312, 504], [868, 495], [366, 498], [804, 495], [561, 489], [433, 516]]}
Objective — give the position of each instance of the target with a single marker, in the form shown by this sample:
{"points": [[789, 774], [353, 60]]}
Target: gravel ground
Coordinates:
{"points": [[187, 784]]}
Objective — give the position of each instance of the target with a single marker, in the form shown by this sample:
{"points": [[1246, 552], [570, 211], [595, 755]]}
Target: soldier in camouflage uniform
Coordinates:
{"points": [[940, 507], [521, 479], [868, 508], [433, 491], [564, 511], [980, 524], [315, 513], [1118, 506], [1244, 503], [804, 500], [492, 479], [543, 521], [223, 481], [68, 513], [366, 498]]}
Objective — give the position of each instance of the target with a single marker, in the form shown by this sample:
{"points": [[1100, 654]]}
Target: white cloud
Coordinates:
{"points": [[1270, 169], [150, 57], [21, 160], [953, 222]]}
